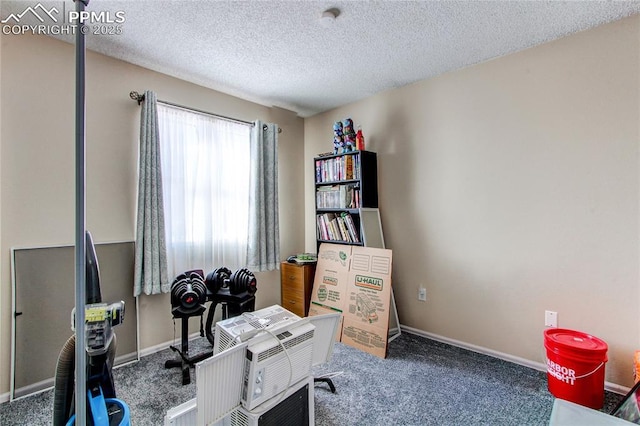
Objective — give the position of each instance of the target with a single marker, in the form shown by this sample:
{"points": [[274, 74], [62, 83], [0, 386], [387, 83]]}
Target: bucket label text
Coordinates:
{"points": [[561, 373]]}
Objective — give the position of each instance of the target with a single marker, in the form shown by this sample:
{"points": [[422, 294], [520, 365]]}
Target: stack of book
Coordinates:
{"points": [[338, 197], [337, 227], [335, 169]]}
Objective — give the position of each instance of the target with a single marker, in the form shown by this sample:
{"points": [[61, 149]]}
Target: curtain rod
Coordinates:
{"points": [[140, 98]]}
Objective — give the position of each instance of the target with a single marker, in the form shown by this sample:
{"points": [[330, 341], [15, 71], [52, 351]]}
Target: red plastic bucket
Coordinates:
{"points": [[575, 366]]}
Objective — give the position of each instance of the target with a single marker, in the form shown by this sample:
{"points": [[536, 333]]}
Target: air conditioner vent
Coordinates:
{"points": [[275, 350], [225, 342], [238, 418], [259, 323]]}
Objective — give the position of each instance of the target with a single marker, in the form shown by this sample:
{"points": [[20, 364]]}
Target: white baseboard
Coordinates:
{"points": [[611, 387], [47, 384], [119, 361]]}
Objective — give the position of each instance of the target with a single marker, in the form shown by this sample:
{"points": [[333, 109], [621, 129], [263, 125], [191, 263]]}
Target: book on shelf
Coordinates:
{"points": [[349, 167], [318, 171], [327, 223], [355, 200], [335, 230], [343, 229], [323, 229], [351, 227]]}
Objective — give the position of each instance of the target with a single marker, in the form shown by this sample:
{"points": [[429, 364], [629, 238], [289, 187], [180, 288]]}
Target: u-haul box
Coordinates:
{"points": [[368, 300], [332, 273]]}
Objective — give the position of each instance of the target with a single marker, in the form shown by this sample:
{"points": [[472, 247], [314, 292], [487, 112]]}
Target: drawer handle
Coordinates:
{"points": [[292, 277], [293, 302]]}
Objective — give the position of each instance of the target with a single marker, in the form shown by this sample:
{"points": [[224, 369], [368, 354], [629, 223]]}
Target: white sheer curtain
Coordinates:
{"points": [[205, 165]]}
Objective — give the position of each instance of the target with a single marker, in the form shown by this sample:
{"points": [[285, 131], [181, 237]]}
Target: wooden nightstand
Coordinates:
{"points": [[296, 283]]}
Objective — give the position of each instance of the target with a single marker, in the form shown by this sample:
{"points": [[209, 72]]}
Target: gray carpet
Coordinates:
{"points": [[422, 382]]}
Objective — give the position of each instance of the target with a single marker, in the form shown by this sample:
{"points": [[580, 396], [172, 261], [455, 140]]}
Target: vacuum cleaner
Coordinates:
{"points": [[99, 341], [104, 409]]}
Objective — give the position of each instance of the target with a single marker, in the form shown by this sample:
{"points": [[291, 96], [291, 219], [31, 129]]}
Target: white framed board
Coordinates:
{"points": [[372, 236], [43, 280]]}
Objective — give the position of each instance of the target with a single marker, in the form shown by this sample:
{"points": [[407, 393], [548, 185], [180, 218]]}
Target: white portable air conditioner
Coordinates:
{"points": [[275, 360], [230, 331], [221, 379]]}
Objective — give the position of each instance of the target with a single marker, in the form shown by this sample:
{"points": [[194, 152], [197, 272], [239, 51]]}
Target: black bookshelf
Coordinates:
{"points": [[344, 183]]}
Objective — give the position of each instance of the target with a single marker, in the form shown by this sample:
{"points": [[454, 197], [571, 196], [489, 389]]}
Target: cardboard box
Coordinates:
{"points": [[332, 273], [369, 339], [368, 300]]}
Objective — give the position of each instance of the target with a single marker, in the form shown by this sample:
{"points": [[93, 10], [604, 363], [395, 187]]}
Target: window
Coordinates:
{"points": [[205, 178]]}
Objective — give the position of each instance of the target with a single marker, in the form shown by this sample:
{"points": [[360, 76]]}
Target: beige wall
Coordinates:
{"points": [[510, 188], [37, 163]]}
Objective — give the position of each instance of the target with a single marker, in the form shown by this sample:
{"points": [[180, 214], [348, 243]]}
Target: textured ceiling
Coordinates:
{"points": [[278, 52]]}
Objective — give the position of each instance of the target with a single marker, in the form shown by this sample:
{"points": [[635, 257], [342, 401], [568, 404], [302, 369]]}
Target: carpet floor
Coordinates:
{"points": [[421, 382]]}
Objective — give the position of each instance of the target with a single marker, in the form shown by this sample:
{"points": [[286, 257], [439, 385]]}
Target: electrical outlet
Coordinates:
{"points": [[551, 319], [422, 294]]}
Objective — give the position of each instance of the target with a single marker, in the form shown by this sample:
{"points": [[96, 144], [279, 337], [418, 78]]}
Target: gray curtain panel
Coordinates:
{"points": [[263, 251], [150, 275]]}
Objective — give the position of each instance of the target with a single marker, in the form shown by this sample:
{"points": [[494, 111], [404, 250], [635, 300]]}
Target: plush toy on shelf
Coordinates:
{"points": [[338, 141], [349, 134]]}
